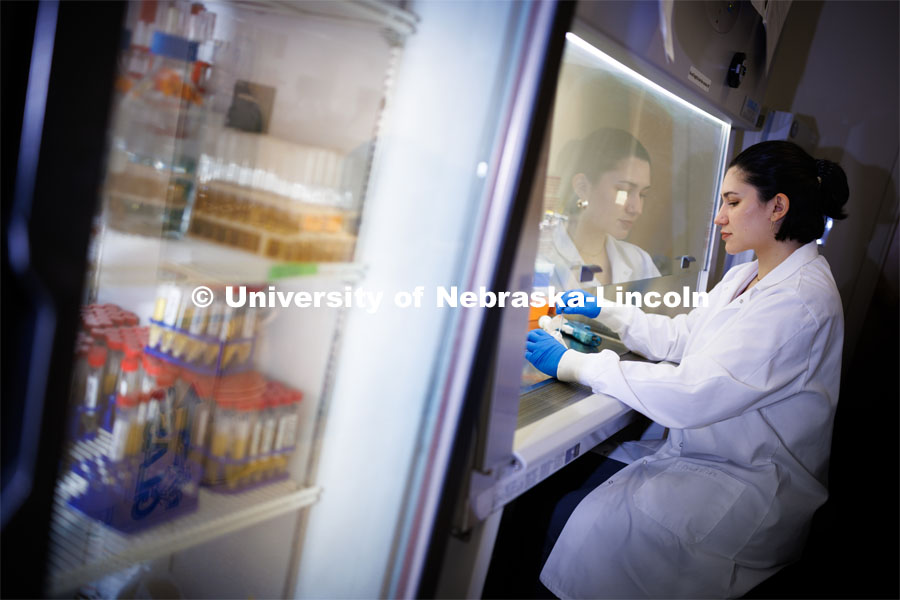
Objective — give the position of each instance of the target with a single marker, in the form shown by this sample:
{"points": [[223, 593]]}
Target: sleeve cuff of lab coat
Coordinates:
{"points": [[617, 318], [570, 365], [582, 368]]}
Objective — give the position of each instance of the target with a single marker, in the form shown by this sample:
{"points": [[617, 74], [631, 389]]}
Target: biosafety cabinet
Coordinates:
{"points": [[636, 148], [248, 388]]}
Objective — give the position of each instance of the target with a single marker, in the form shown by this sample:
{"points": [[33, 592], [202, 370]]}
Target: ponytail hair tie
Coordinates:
{"points": [[821, 169]]}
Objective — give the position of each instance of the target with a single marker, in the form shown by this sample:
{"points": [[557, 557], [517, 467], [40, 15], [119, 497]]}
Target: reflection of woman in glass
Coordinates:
{"points": [[608, 177]]}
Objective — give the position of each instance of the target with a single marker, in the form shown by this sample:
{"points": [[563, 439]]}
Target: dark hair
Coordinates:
{"points": [[595, 155], [816, 188]]}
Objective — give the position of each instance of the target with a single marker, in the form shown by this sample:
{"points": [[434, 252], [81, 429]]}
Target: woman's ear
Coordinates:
{"points": [[781, 204], [581, 184]]}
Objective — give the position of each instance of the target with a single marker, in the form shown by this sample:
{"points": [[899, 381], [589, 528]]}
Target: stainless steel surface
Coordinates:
{"points": [[546, 397]]}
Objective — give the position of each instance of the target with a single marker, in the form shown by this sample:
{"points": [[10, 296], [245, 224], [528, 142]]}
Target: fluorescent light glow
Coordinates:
{"points": [[591, 50]]}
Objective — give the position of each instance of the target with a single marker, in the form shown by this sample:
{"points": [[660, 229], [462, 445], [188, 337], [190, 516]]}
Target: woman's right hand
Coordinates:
{"points": [[544, 351], [587, 306]]}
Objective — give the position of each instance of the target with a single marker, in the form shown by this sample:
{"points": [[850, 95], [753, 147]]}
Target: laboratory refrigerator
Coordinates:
{"points": [[164, 435]]}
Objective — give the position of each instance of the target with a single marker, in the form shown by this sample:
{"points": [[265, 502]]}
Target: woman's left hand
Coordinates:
{"points": [[543, 351], [589, 306]]}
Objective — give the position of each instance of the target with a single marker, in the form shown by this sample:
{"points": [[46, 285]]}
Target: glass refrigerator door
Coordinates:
{"points": [[279, 175], [628, 204]]}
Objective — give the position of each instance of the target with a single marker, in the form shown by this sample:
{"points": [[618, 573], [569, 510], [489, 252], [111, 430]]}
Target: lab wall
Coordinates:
{"points": [[837, 69], [837, 66]]}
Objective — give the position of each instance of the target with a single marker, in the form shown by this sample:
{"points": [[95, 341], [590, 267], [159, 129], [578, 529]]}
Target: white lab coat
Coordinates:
{"points": [[627, 261], [726, 500]]}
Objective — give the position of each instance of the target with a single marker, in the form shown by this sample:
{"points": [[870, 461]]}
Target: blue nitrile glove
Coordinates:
{"points": [[543, 351], [590, 309]]}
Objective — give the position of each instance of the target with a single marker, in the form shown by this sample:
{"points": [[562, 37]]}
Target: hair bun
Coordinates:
{"points": [[833, 188]]}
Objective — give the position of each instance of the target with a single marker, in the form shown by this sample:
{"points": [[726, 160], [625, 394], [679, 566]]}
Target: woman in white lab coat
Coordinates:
{"points": [[726, 499], [605, 183]]}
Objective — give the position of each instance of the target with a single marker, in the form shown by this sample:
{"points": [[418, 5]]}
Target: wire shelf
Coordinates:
{"points": [[83, 549]]}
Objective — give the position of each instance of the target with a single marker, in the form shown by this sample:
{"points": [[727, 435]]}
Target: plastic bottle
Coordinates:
{"points": [[552, 325], [141, 35], [201, 27], [549, 259], [160, 120], [134, 61]]}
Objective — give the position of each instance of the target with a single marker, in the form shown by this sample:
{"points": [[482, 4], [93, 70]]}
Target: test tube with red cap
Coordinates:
{"points": [[166, 426], [201, 412], [255, 457], [115, 346], [93, 383], [79, 372], [239, 467], [270, 425], [285, 439], [152, 393], [126, 434], [220, 438]]}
